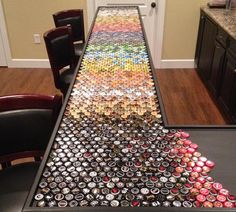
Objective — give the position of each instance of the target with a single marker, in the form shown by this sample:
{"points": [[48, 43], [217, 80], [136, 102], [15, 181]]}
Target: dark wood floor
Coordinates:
{"points": [[23, 80], [185, 98]]}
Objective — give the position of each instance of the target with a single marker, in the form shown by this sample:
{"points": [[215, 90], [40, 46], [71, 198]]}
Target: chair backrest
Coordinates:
{"points": [[60, 49], [26, 124], [75, 18]]}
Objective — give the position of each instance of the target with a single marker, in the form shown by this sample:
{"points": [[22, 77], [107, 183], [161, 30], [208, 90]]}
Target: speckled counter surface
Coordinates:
{"points": [[227, 20]]}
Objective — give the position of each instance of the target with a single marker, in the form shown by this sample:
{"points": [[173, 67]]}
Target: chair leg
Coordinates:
{"points": [[6, 165], [37, 159]]}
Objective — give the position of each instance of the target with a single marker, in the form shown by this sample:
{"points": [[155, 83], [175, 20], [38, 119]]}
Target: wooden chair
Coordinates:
{"points": [[60, 49], [75, 18], [26, 124]]}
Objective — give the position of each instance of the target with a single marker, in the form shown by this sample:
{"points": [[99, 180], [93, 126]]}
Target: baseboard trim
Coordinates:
{"points": [[29, 63], [44, 63], [189, 63]]}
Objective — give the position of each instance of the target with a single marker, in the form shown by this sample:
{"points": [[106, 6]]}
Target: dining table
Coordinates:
{"points": [[111, 148]]}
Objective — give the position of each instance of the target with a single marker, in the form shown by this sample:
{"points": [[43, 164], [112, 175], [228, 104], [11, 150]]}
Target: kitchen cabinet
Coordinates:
{"points": [[215, 60], [227, 94], [207, 47], [216, 69]]}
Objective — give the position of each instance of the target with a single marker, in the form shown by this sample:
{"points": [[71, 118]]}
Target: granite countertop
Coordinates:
{"points": [[227, 20]]}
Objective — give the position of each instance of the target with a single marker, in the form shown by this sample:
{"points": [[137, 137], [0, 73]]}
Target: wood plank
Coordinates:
{"points": [[24, 80], [186, 99]]}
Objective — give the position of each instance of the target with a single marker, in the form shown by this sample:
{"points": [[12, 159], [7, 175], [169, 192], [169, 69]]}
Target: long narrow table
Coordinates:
{"points": [[110, 149]]}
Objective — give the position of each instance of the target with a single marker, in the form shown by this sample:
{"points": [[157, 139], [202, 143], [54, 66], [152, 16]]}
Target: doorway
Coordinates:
{"points": [[3, 58], [3, 61], [152, 13]]}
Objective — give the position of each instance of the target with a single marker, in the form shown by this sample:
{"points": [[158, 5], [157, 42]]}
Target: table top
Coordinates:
{"points": [[226, 19], [110, 147]]}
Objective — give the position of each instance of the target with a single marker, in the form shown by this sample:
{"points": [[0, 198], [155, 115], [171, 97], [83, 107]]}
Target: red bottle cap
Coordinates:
{"points": [[217, 186], [194, 191], [106, 179], [204, 191], [179, 169], [197, 169], [197, 185], [176, 174], [138, 164], [224, 192], [115, 190], [187, 143], [203, 159], [208, 204], [191, 150], [188, 185], [200, 163], [154, 179], [194, 174], [182, 150], [184, 135], [191, 180], [129, 146], [210, 164], [189, 155], [218, 204], [191, 164], [194, 146], [197, 154], [228, 204], [197, 204], [231, 198], [87, 154], [209, 179], [185, 159], [201, 198], [206, 169], [188, 169], [211, 198], [135, 203], [174, 191], [161, 168], [207, 185], [221, 198], [201, 180]]}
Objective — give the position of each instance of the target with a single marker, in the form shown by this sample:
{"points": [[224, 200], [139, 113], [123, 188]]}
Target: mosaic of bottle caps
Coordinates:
{"points": [[111, 148]]}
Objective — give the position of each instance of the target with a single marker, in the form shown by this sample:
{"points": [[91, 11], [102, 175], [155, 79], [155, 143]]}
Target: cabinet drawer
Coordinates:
{"points": [[222, 37]]}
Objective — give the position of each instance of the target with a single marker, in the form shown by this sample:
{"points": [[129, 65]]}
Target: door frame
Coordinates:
{"points": [[4, 35], [159, 22]]}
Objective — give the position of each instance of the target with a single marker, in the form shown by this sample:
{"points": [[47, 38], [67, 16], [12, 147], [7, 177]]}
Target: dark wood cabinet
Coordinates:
{"points": [[207, 48], [227, 95], [216, 68], [215, 59]]}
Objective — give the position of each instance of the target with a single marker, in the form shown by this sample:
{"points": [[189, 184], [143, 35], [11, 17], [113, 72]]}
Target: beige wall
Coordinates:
{"points": [[27, 17], [181, 27]]}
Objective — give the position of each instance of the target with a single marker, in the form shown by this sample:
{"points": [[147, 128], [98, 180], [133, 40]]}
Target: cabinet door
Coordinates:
{"points": [[216, 69], [227, 96], [199, 38], [207, 49]]}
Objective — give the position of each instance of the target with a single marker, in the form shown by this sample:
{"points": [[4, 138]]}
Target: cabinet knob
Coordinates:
{"points": [[153, 4], [234, 70]]}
